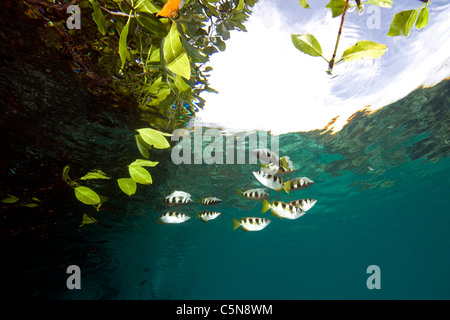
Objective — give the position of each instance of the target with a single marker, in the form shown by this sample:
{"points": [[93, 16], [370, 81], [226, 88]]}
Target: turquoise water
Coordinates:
{"points": [[393, 215]]}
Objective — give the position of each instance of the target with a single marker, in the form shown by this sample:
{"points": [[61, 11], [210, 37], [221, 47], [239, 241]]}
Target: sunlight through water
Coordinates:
{"points": [[265, 83]]}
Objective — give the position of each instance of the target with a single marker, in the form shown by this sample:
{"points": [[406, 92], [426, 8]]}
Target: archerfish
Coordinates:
{"points": [[304, 204], [209, 201], [266, 156], [282, 209], [255, 194], [271, 181], [286, 166], [270, 168], [205, 216], [251, 223], [300, 183], [173, 217], [177, 198]]}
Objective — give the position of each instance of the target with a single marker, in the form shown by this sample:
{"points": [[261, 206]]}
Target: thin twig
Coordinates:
{"points": [[118, 13], [331, 63]]}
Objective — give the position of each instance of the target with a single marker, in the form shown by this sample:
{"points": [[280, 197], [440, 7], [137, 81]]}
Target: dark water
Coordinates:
{"points": [[380, 204]]}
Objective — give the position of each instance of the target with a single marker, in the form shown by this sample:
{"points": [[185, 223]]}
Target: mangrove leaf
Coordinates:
{"points": [[304, 4], [86, 220], [363, 50], [147, 6], [95, 174], [307, 44], [154, 138], [144, 163], [422, 20], [336, 6], [87, 195], [10, 199], [123, 50], [127, 185], [175, 57], [98, 18], [141, 146], [381, 3], [140, 175], [402, 23]]}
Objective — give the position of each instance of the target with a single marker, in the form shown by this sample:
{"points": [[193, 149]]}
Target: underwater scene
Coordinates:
{"points": [[125, 177]]}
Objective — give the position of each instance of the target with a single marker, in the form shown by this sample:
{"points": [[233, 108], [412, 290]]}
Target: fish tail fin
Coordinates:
{"points": [[266, 206], [200, 200], [236, 224], [197, 215], [287, 186], [239, 191]]}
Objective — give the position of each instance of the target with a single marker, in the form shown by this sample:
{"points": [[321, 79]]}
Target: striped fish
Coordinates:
{"points": [[304, 204], [300, 183], [271, 181], [209, 201], [251, 223], [254, 194], [266, 156], [177, 198], [173, 217], [286, 166], [205, 216], [270, 168], [282, 209]]}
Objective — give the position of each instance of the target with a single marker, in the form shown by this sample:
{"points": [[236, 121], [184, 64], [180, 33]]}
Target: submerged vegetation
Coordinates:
{"points": [[153, 51]]}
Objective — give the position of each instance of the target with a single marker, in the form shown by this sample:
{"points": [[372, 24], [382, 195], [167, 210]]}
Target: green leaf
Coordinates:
{"points": [[141, 146], [151, 24], [363, 50], [30, 205], [307, 44], [140, 175], [175, 57], [240, 5], [304, 4], [181, 85], [87, 195], [123, 50], [98, 17], [144, 163], [87, 220], [147, 6], [127, 185], [154, 138], [211, 9], [95, 174], [422, 20], [381, 3], [219, 43], [65, 175], [10, 199], [336, 6], [191, 50], [402, 23]]}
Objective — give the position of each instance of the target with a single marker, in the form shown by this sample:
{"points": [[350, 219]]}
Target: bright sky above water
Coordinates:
{"points": [[265, 83]]}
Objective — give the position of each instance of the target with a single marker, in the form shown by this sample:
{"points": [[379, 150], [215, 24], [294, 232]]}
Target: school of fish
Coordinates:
{"points": [[271, 166]]}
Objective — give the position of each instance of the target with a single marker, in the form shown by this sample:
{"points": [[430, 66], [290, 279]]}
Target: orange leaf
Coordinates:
{"points": [[170, 9]]}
